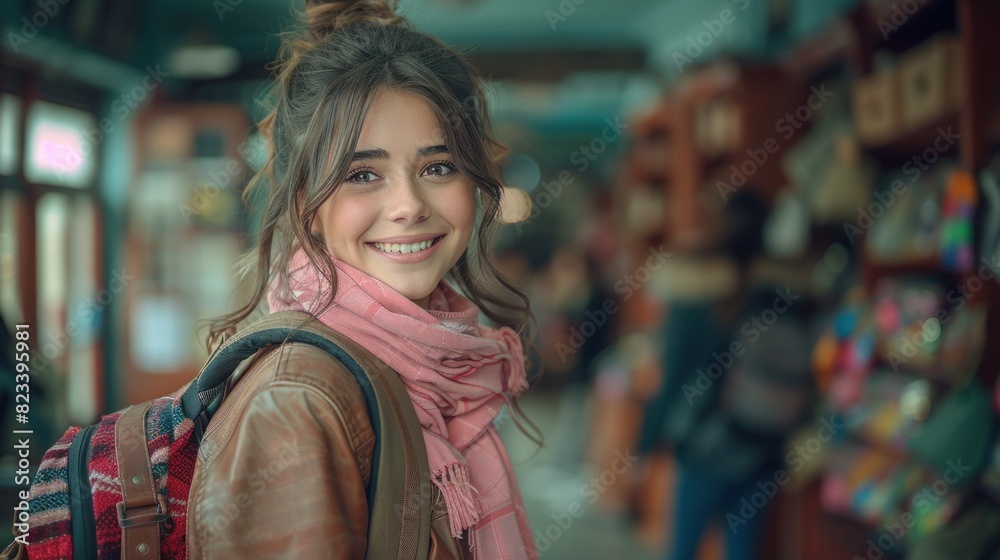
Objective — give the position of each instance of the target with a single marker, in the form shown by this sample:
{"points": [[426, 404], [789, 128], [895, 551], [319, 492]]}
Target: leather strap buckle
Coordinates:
{"points": [[142, 515]]}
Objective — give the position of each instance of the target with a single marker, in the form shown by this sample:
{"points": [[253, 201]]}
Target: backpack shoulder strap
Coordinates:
{"points": [[142, 508], [399, 524]]}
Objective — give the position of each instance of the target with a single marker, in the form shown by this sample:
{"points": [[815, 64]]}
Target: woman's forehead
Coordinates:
{"points": [[400, 123]]}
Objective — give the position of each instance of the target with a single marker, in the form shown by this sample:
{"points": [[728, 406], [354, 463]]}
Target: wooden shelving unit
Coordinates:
{"points": [[819, 534], [851, 48]]}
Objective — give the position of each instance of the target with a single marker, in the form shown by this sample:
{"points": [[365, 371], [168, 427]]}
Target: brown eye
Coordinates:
{"points": [[441, 168]]}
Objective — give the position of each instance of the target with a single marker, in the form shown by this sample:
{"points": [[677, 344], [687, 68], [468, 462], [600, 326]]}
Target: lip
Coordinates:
{"points": [[407, 238], [407, 257]]}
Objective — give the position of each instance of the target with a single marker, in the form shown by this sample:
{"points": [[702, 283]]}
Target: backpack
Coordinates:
{"points": [[748, 387], [97, 487], [769, 390]]}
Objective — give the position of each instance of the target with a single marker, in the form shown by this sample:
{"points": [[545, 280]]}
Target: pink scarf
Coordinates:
{"points": [[456, 372]]}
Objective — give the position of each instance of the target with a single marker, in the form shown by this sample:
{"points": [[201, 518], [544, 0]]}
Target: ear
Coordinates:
{"points": [[315, 227], [316, 230]]}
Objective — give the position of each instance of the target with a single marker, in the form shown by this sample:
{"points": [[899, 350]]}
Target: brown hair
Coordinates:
{"points": [[326, 77]]}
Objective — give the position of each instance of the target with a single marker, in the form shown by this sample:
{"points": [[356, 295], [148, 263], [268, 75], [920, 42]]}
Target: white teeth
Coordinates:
{"points": [[403, 247]]}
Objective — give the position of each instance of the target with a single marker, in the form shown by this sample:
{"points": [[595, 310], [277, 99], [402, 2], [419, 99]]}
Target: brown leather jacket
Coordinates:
{"points": [[284, 463]]}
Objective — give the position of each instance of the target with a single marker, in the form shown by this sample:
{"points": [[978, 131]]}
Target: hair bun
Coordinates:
{"points": [[324, 17]]}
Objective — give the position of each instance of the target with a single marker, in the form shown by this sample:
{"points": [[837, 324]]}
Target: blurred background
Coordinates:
{"points": [[764, 250]]}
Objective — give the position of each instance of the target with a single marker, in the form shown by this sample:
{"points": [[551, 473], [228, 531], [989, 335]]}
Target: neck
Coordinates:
{"points": [[422, 302]]}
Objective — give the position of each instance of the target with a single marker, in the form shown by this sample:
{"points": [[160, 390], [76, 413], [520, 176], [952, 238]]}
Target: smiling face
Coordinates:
{"points": [[404, 214]]}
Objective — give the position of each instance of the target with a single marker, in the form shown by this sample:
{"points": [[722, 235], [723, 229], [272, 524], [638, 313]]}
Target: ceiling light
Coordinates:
{"points": [[204, 61]]}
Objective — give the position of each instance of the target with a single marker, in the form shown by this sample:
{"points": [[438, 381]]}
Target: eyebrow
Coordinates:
{"points": [[379, 153]]}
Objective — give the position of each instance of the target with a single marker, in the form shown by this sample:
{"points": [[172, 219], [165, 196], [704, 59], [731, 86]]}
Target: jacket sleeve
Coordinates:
{"points": [[286, 485]]}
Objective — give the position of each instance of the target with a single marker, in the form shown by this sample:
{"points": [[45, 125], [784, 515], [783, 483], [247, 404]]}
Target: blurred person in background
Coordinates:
{"points": [[718, 464]]}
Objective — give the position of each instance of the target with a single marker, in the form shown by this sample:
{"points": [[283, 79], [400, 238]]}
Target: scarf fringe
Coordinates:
{"points": [[463, 509]]}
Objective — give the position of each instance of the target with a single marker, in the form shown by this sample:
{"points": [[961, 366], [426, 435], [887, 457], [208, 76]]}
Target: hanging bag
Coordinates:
{"points": [[959, 430]]}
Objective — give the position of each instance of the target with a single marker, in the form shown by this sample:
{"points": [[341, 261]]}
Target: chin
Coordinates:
{"points": [[413, 291], [414, 294]]}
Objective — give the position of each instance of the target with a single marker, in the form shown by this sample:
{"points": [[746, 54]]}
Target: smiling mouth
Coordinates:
{"points": [[405, 248]]}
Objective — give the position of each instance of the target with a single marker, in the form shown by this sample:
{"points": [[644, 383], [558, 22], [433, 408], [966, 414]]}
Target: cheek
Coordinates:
{"points": [[463, 210], [344, 220]]}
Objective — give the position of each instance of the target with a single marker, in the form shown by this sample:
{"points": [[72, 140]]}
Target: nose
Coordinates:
{"points": [[407, 203]]}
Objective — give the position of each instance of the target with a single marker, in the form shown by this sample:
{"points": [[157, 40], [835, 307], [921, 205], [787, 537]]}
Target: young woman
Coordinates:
{"points": [[382, 183]]}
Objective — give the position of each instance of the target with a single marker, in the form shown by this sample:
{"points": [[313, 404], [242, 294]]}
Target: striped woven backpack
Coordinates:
{"points": [[126, 479]]}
